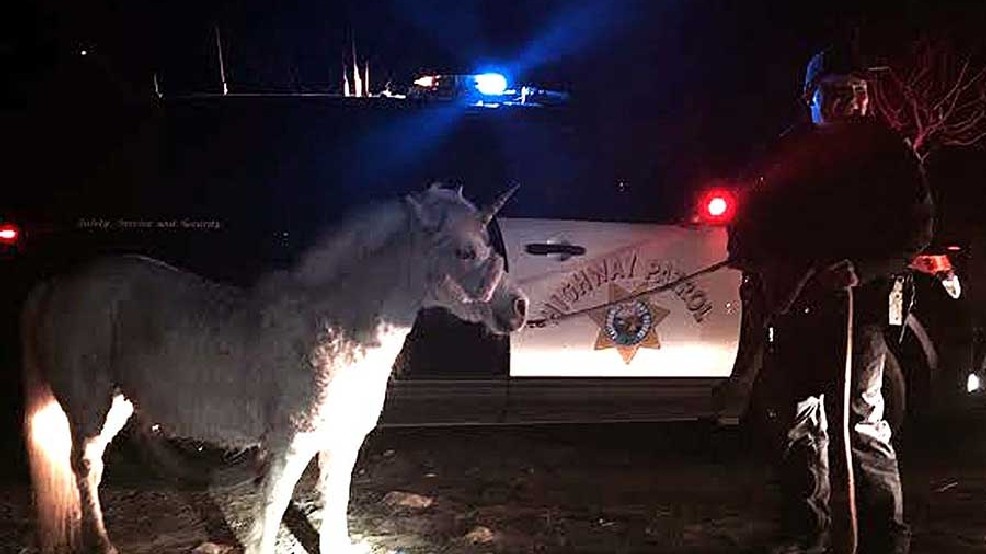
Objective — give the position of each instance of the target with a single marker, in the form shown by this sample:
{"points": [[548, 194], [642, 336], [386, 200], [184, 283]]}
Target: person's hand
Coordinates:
{"points": [[839, 275]]}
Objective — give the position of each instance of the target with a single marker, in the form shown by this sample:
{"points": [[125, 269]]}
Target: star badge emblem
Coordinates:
{"points": [[628, 326]]}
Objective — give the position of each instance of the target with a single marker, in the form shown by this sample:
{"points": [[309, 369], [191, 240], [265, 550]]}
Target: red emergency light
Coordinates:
{"points": [[716, 207], [9, 233], [932, 265]]}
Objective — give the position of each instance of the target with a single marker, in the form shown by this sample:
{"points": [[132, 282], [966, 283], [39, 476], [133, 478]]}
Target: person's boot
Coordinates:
{"points": [[819, 545]]}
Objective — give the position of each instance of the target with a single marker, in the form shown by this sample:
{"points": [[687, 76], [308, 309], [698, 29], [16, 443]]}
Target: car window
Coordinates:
{"points": [[269, 172], [566, 168]]}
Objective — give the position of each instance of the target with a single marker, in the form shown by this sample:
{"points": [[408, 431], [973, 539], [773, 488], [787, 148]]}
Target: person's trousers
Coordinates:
{"points": [[809, 349]]}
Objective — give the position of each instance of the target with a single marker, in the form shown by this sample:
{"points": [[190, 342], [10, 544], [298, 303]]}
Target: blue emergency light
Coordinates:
{"points": [[484, 90], [491, 84]]}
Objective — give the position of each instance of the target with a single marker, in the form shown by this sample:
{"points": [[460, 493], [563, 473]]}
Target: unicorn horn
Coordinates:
{"points": [[487, 213]]}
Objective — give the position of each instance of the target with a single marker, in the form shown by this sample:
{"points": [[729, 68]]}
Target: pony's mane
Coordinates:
{"points": [[362, 233], [359, 234]]}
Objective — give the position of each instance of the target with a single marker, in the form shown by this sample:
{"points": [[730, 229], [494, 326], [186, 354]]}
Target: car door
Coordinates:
{"points": [[582, 235], [567, 266]]}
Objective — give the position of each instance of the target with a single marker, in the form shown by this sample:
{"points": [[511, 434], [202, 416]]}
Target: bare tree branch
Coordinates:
{"points": [[935, 96]]}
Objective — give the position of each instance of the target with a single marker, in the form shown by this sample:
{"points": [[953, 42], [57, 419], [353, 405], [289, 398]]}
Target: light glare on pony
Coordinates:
{"points": [[50, 421], [50, 446], [120, 411]]}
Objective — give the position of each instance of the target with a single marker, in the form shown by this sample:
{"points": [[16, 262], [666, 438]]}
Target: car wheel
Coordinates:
{"points": [[894, 393]]}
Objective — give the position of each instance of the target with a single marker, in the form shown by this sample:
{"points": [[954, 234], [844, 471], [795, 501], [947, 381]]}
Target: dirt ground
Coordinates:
{"points": [[553, 489]]}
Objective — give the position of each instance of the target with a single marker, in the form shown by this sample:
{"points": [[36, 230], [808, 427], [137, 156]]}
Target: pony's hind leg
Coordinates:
{"points": [[87, 460], [284, 468]]}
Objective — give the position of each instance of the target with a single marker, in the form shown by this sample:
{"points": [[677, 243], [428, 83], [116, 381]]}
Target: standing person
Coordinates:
{"points": [[840, 209]]}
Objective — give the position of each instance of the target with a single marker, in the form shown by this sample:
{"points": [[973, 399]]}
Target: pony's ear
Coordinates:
{"points": [[429, 221]]}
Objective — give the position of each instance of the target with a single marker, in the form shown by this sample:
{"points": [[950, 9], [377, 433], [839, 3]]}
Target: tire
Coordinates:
{"points": [[894, 393]]}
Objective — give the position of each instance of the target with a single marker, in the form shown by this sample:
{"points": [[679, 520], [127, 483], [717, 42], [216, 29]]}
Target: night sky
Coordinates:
{"points": [[711, 74], [690, 89]]}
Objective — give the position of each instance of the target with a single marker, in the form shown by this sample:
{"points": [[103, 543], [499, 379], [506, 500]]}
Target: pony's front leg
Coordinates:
{"points": [[285, 466], [335, 467]]}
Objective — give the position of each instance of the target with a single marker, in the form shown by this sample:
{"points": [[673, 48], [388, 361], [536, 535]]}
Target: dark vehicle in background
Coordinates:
{"points": [[941, 348]]}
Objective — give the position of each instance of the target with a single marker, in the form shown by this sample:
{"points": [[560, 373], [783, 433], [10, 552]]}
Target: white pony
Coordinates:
{"points": [[297, 364]]}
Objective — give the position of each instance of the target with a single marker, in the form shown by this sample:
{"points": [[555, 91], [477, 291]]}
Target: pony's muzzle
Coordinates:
{"points": [[517, 316], [520, 308]]}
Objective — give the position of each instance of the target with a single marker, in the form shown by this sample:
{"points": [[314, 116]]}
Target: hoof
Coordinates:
{"points": [[100, 545], [213, 548]]}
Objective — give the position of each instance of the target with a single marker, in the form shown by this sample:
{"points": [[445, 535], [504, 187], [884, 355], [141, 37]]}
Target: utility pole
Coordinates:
{"points": [[222, 66], [357, 81]]}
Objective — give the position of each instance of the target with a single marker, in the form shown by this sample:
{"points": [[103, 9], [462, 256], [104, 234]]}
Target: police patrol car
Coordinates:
{"points": [[592, 246], [615, 333]]}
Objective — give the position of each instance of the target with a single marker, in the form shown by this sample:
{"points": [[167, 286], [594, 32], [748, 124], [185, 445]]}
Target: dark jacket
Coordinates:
{"points": [[854, 192]]}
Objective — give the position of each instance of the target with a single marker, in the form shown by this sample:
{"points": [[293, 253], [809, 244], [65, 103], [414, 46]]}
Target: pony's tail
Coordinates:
{"points": [[49, 443]]}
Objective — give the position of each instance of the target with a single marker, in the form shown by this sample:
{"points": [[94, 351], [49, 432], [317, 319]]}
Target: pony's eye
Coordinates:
{"points": [[465, 253]]}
